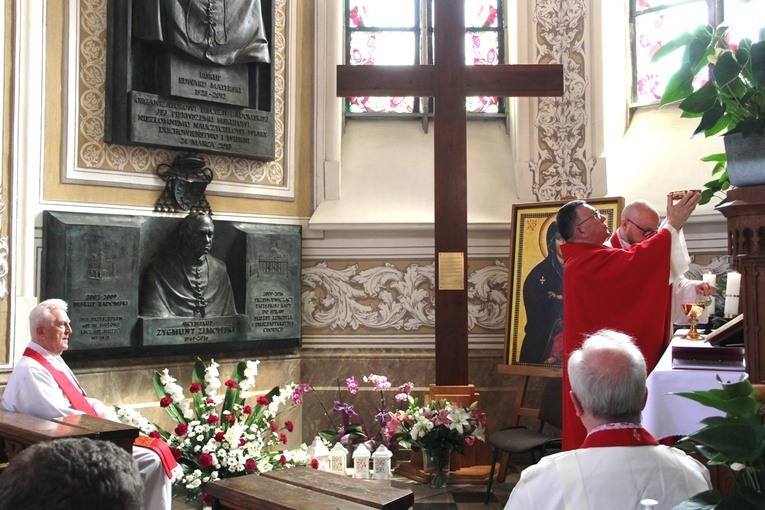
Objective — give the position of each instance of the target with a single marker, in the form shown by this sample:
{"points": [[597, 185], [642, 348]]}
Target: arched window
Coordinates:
{"points": [[400, 32], [654, 22]]}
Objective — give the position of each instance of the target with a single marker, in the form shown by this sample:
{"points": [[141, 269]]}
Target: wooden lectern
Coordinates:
{"points": [[745, 212]]}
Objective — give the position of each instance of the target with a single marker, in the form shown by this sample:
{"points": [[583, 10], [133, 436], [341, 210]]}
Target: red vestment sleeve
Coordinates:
{"points": [[623, 290]]}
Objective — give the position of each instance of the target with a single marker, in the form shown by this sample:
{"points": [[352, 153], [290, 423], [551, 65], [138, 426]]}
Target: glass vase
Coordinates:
{"points": [[435, 463]]}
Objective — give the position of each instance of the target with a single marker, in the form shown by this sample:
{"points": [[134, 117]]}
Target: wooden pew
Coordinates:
{"points": [[19, 431], [302, 488], [118, 433]]}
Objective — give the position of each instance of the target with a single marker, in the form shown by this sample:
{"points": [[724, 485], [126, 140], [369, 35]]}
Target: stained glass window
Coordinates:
{"points": [[654, 22], [399, 32]]}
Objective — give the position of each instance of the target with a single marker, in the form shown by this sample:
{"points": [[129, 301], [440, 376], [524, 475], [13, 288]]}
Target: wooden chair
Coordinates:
{"points": [[518, 439]]}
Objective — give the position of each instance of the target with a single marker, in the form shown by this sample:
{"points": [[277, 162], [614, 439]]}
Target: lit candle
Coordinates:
{"points": [[710, 278], [732, 291]]}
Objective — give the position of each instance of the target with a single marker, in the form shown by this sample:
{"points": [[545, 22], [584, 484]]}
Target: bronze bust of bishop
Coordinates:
{"points": [[188, 281]]}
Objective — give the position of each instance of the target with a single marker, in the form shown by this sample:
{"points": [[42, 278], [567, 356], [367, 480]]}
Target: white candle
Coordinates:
{"points": [[710, 278], [732, 291]]}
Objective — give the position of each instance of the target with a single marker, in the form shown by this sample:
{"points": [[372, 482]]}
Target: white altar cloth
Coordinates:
{"points": [[672, 415]]}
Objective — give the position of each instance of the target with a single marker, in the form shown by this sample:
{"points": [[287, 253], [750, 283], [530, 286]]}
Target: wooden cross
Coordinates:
{"points": [[450, 81]]}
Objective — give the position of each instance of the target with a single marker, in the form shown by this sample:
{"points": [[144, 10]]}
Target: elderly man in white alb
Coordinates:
{"points": [[43, 385], [620, 463]]}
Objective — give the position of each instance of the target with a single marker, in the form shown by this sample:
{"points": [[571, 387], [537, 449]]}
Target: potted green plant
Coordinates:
{"points": [[736, 440], [731, 102]]}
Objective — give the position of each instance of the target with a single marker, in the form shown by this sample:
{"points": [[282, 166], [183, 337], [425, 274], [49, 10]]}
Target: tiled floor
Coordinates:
{"points": [[454, 497]]}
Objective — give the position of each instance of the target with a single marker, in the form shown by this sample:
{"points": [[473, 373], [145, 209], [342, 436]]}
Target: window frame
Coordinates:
{"points": [[423, 107], [715, 10]]}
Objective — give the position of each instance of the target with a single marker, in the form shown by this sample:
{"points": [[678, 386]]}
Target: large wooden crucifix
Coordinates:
{"points": [[450, 81]]}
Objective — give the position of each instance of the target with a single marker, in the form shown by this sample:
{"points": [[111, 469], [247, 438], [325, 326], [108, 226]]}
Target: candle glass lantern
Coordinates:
{"points": [[361, 462], [338, 459], [319, 452], [381, 463]]}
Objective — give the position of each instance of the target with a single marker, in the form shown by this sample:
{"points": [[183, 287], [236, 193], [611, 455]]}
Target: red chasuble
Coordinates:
{"points": [[623, 290]]}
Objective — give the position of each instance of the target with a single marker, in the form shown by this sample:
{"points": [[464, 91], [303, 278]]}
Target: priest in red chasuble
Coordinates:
{"points": [[623, 290]]}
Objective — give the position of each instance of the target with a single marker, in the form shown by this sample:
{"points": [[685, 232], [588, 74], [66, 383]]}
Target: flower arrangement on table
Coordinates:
{"points": [[352, 429], [736, 440], [436, 428], [216, 436]]}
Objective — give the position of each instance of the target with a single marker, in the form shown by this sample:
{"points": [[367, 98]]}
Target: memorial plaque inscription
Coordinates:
{"points": [[93, 262], [273, 280], [181, 79]]}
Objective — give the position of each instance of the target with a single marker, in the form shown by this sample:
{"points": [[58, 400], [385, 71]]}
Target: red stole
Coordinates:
{"points": [[160, 448], [629, 436], [76, 397], [74, 394]]}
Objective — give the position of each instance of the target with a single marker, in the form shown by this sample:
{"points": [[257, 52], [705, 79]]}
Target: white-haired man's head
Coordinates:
{"points": [[608, 377]]}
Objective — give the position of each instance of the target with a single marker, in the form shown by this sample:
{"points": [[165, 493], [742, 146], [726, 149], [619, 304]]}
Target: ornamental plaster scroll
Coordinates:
{"points": [[94, 154], [386, 297], [562, 166]]}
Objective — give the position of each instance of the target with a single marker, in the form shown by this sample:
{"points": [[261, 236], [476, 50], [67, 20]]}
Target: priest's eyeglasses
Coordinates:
{"points": [[596, 215], [646, 231]]}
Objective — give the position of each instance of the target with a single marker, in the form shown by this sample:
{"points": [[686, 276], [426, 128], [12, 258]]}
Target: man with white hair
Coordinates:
{"points": [[43, 385], [620, 463]]}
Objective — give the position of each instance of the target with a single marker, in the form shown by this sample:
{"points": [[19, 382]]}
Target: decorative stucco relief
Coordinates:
{"points": [[386, 297], [562, 166], [94, 153]]}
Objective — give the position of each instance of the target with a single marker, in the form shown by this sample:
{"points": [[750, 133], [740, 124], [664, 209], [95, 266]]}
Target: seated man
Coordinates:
{"points": [[43, 385], [620, 463], [66, 474]]}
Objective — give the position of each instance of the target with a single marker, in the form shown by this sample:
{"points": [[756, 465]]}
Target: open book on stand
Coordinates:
{"points": [[718, 352]]}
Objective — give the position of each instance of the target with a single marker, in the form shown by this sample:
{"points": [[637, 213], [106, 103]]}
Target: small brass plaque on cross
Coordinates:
{"points": [[451, 271]]}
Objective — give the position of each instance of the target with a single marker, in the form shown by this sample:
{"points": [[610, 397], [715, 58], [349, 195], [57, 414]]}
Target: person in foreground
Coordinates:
{"points": [[620, 463], [43, 385], [612, 288], [639, 221], [72, 474]]}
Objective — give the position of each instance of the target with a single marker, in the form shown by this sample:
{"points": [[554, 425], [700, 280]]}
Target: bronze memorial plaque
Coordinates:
{"points": [[191, 76], [139, 285]]}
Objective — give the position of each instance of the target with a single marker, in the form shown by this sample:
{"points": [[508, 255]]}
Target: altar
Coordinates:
{"points": [[667, 415]]}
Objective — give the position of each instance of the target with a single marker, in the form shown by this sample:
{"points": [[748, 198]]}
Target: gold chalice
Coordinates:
{"points": [[693, 311]]}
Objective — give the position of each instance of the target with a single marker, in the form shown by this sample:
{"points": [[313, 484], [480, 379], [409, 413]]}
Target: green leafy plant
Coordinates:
{"points": [[732, 100], [736, 440]]}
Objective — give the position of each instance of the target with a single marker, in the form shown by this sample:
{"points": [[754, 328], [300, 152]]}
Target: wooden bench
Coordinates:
{"points": [[19, 431], [303, 488], [118, 433]]}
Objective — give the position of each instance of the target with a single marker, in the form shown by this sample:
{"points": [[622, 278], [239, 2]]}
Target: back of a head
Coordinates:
{"points": [[72, 474], [607, 375]]}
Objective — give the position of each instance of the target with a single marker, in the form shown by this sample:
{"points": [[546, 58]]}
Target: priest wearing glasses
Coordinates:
{"points": [[623, 290]]}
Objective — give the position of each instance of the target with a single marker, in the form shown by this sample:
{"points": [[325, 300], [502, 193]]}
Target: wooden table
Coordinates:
{"points": [[303, 488]]}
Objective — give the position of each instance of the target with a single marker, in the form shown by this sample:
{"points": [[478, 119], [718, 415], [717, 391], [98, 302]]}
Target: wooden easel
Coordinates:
{"points": [[519, 410]]}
